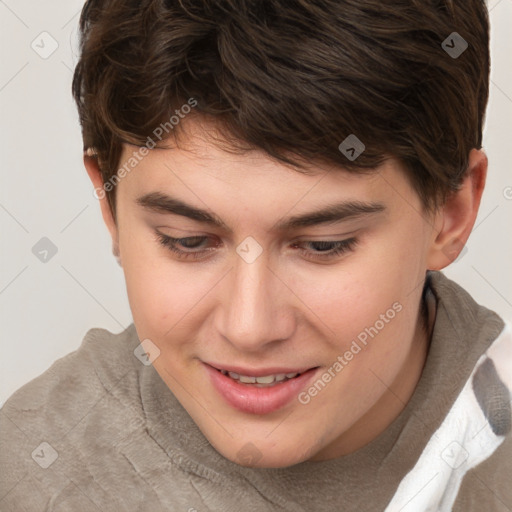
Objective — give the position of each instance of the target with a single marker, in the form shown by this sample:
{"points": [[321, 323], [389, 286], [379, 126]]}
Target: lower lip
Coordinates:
{"points": [[254, 400]]}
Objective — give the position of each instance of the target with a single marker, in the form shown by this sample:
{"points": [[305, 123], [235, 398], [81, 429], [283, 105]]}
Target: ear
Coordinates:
{"points": [[457, 216], [94, 172]]}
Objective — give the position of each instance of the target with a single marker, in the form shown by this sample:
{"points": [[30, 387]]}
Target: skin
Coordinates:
{"points": [[286, 308]]}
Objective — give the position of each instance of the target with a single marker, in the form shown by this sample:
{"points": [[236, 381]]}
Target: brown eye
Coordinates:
{"points": [[327, 250], [194, 244]]}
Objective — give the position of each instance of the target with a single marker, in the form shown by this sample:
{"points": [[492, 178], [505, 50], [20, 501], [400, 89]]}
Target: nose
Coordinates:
{"points": [[256, 308]]}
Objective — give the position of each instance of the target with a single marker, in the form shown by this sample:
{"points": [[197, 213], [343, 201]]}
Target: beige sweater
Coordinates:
{"points": [[99, 431]]}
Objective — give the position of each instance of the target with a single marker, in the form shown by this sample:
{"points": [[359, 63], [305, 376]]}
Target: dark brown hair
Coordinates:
{"points": [[293, 78]]}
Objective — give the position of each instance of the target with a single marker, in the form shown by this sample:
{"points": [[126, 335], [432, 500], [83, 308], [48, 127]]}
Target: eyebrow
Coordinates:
{"points": [[162, 203]]}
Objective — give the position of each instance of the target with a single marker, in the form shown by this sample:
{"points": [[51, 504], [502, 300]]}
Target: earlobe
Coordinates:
{"points": [[94, 172], [458, 214], [116, 253]]}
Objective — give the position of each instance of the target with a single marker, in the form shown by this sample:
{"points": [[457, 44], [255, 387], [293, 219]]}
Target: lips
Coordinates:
{"points": [[254, 398]]}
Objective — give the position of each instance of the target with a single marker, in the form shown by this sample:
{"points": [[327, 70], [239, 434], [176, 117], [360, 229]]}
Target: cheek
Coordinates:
{"points": [[162, 301], [357, 309], [160, 292], [371, 296]]}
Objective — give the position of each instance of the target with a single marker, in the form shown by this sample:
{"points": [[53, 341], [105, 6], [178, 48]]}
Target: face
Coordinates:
{"points": [[282, 273]]}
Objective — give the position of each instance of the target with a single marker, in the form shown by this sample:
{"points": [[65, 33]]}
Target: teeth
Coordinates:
{"points": [[265, 379], [247, 380]]}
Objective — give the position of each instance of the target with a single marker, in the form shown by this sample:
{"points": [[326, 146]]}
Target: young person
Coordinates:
{"points": [[283, 182]]}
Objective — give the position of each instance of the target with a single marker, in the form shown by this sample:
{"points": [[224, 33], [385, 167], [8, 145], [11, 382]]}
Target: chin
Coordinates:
{"points": [[253, 455]]}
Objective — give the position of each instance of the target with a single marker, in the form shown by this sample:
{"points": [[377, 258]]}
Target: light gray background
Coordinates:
{"points": [[46, 308]]}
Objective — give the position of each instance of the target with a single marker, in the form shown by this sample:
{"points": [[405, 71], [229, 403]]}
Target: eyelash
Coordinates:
{"points": [[340, 247]]}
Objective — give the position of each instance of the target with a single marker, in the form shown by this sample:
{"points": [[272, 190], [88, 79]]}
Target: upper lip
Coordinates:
{"points": [[259, 372]]}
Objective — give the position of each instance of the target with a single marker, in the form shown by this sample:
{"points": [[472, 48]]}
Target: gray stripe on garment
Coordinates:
{"points": [[493, 396]]}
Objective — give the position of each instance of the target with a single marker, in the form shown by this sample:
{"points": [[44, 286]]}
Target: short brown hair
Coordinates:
{"points": [[293, 78]]}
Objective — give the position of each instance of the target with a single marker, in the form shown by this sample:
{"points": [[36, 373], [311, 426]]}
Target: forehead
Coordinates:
{"points": [[210, 174]]}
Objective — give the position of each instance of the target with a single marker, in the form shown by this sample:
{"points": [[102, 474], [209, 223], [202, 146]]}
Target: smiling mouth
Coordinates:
{"points": [[264, 381], [265, 391]]}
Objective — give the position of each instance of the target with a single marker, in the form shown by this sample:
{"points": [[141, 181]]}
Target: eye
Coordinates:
{"points": [[327, 250], [192, 243]]}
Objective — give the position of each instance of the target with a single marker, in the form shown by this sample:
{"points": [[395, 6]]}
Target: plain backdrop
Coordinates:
{"points": [[47, 307]]}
